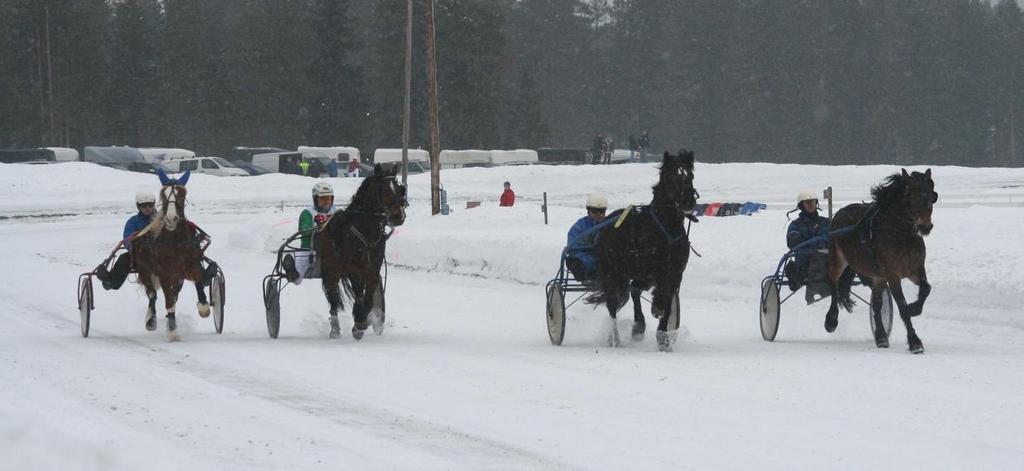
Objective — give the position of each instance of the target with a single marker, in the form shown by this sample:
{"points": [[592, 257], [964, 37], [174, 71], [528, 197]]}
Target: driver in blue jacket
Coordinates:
{"points": [[581, 261], [145, 202], [807, 225]]}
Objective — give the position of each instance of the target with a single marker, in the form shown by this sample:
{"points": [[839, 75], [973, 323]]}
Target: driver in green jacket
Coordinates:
{"points": [[298, 267]]}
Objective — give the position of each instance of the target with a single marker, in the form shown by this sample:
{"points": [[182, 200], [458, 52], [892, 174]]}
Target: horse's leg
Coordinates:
{"points": [[836, 265], [877, 291], [662, 301], [332, 289], [906, 312], [171, 291], [203, 305], [639, 323], [361, 291], [923, 289], [615, 292], [151, 309]]}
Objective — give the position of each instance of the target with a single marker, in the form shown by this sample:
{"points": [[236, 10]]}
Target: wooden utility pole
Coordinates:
{"points": [[435, 144], [408, 93], [51, 137]]}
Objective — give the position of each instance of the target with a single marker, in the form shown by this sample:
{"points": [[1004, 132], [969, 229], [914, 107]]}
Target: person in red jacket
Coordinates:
{"points": [[508, 197]]}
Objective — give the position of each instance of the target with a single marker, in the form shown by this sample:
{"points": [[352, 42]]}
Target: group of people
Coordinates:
{"points": [[603, 146], [313, 167]]}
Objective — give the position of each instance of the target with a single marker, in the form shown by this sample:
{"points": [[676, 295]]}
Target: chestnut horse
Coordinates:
{"points": [[168, 252], [886, 245], [352, 243]]}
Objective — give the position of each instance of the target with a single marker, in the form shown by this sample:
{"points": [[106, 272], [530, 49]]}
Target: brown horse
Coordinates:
{"points": [[885, 245], [168, 252], [351, 247]]}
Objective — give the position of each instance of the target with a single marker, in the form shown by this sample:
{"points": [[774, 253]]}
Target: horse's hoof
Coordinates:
{"points": [[172, 328], [639, 328], [613, 337], [665, 340], [150, 322], [335, 328], [917, 348], [204, 310], [883, 343], [831, 322], [358, 334]]}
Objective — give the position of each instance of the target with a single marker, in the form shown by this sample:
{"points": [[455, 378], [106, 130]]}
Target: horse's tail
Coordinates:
{"points": [[843, 290]]}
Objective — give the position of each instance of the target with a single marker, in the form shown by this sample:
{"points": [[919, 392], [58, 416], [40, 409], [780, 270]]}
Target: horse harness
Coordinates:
{"points": [[634, 250]]}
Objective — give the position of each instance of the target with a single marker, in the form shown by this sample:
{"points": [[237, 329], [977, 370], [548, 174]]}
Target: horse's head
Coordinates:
{"points": [[172, 200], [919, 196], [389, 193], [676, 180]]}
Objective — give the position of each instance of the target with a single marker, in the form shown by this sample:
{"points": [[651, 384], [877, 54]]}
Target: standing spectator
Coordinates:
{"points": [[353, 166], [596, 147], [632, 148], [332, 168], [645, 145], [607, 149], [315, 168], [304, 166], [508, 197]]}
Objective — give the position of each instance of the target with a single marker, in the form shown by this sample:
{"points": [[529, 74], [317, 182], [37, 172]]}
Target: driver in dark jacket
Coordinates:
{"points": [[808, 224]]}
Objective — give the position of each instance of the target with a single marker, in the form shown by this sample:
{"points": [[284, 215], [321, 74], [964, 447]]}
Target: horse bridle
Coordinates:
{"points": [[169, 194], [386, 227]]}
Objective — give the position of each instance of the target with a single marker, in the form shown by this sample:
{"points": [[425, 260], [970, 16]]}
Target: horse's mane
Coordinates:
{"points": [[361, 199], [889, 191]]}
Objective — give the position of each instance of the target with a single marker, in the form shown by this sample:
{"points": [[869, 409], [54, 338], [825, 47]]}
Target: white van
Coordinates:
{"points": [[157, 155], [208, 165], [277, 162]]}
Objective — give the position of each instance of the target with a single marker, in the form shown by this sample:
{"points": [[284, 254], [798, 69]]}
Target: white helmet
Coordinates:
{"points": [[597, 201], [806, 195], [322, 189], [143, 197]]}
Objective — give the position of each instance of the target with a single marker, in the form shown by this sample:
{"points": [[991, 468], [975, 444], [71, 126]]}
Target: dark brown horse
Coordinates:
{"points": [[648, 248], [885, 245], [352, 244], [168, 252]]}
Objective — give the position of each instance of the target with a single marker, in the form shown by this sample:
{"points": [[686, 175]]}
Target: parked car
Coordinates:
{"points": [[12, 156], [248, 167], [208, 165]]}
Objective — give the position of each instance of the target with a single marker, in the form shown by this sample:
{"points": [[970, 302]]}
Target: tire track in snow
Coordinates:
{"points": [[437, 440]]}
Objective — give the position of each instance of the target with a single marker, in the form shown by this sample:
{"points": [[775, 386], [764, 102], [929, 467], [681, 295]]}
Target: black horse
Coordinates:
{"points": [[886, 245], [647, 247], [352, 247]]}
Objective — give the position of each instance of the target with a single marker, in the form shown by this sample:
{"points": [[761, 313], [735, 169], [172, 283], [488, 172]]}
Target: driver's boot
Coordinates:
{"points": [[290, 272]]}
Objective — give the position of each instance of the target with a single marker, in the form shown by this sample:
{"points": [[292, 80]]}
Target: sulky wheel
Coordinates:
{"points": [[556, 314], [217, 301], [85, 305], [377, 317], [674, 316], [886, 313], [769, 314], [272, 301]]}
